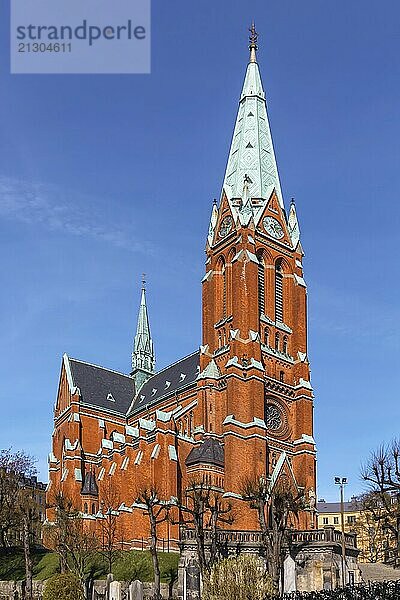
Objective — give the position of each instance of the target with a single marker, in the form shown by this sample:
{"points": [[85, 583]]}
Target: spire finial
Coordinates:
{"points": [[143, 281], [253, 43]]}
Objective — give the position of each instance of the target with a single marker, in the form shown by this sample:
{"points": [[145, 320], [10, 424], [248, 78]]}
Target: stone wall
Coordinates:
{"points": [[12, 590], [313, 563]]}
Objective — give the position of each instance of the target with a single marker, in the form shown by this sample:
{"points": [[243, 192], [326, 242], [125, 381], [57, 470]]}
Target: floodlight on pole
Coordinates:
{"points": [[342, 481]]}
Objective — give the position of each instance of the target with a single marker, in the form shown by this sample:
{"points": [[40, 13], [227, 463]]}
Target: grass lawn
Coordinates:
{"points": [[128, 565]]}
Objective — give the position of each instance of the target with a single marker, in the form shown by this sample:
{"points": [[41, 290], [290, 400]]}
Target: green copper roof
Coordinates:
{"points": [[252, 151]]}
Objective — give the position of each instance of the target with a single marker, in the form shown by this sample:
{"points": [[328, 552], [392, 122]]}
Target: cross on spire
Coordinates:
{"points": [[253, 43]]}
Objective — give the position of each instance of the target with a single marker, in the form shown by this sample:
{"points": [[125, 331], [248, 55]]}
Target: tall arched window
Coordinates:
{"points": [[285, 345], [279, 291], [261, 284], [266, 336]]}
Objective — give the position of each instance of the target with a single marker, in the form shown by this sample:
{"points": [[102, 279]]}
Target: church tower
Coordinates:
{"points": [[254, 384]]}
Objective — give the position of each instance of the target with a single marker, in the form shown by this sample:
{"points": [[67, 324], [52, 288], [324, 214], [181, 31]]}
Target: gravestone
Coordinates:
{"points": [[136, 590], [289, 568], [115, 590]]}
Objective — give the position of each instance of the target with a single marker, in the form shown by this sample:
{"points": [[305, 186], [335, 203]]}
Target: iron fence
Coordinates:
{"points": [[385, 590]]}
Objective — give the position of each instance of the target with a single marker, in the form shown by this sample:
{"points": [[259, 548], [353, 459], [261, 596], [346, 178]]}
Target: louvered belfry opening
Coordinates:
{"points": [[278, 292], [224, 291], [261, 285]]}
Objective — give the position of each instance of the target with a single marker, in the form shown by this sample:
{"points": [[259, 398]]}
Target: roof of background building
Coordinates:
{"points": [[334, 507], [209, 452], [115, 391], [167, 382]]}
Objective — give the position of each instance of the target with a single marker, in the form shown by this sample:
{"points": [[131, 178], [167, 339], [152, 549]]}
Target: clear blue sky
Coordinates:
{"points": [[103, 177]]}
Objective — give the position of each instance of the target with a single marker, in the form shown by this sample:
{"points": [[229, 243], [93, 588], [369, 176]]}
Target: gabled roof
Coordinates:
{"points": [[167, 382], [102, 387], [334, 507], [210, 452], [115, 391]]}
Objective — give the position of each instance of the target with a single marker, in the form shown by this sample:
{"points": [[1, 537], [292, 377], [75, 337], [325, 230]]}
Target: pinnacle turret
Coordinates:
{"points": [[143, 358]]}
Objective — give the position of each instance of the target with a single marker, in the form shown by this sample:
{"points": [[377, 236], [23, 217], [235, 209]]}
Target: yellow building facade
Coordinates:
{"points": [[373, 540]]}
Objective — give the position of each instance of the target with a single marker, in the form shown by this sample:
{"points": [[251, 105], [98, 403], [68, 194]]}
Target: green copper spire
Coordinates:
{"points": [[143, 359], [252, 153]]}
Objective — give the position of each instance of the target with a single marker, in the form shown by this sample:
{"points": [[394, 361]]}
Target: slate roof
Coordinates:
{"points": [[334, 507], [167, 382], [89, 487], [97, 383], [209, 452], [115, 391]]}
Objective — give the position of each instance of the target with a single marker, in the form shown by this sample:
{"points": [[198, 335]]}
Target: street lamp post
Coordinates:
{"points": [[342, 481]]}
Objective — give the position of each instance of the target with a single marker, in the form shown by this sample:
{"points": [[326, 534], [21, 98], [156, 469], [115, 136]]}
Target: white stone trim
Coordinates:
{"points": [[132, 431], [230, 420], [207, 276], [305, 439], [147, 424], [118, 437], [125, 463], [156, 451], [232, 495], [72, 387], [162, 416], [299, 280], [304, 383], [138, 458], [52, 458], [172, 453]]}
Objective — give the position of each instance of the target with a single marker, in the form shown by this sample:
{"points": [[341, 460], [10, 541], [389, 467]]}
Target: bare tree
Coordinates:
{"points": [[157, 510], [382, 473], [28, 512], [204, 510], [75, 542], [371, 527], [274, 509], [108, 524], [14, 466], [18, 506]]}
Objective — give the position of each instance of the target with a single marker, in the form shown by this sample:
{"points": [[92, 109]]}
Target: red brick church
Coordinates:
{"points": [[239, 406]]}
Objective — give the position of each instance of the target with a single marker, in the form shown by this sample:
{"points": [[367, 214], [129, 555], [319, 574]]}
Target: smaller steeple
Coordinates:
{"points": [[143, 359]]}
